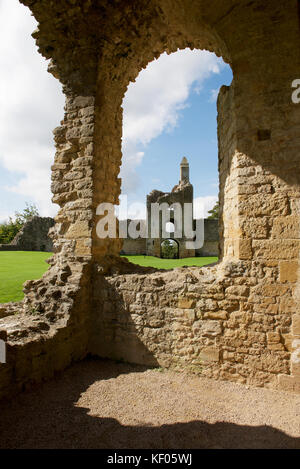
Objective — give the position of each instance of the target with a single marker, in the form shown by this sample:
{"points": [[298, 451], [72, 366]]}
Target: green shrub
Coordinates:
{"points": [[9, 229]]}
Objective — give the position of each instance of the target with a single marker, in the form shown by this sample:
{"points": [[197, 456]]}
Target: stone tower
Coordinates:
{"points": [[184, 171]]}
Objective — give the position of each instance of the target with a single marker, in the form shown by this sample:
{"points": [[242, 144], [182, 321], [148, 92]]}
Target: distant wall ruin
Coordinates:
{"points": [[34, 236], [210, 247], [181, 196]]}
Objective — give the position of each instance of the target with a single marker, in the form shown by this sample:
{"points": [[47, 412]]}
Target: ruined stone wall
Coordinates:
{"points": [[133, 247], [192, 319], [209, 248], [50, 328], [211, 238], [33, 236], [256, 308], [238, 320], [181, 194], [8, 247]]}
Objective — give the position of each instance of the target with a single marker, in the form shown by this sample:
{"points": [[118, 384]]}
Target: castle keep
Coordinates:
{"points": [[181, 194]]}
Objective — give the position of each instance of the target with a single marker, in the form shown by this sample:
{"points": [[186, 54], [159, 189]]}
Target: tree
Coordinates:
{"points": [[214, 212], [28, 212], [9, 229], [169, 249]]}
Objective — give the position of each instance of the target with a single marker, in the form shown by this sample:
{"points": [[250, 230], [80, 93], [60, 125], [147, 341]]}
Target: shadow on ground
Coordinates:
{"points": [[47, 417]]}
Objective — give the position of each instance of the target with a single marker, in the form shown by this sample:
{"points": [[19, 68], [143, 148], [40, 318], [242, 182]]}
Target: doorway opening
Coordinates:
{"points": [[170, 146], [169, 249]]}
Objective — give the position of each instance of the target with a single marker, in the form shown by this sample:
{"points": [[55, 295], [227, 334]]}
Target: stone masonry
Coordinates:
{"points": [[209, 248], [180, 195], [238, 320], [32, 237]]}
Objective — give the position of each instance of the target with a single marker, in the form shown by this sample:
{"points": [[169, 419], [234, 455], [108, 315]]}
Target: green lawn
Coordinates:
{"points": [[15, 268], [150, 261]]}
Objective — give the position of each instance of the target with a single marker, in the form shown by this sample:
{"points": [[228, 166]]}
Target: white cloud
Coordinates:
{"points": [[203, 204], [31, 106], [153, 103], [4, 216], [214, 95]]}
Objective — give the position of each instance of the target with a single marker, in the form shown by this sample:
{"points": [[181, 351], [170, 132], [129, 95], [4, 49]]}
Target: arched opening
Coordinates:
{"points": [[169, 249], [178, 119], [228, 310]]}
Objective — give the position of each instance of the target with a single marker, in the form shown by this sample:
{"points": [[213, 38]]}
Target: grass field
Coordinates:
{"points": [[150, 261], [15, 268]]}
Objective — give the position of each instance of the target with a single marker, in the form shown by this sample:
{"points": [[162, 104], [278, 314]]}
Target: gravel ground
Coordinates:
{"points": [[102, 404]]}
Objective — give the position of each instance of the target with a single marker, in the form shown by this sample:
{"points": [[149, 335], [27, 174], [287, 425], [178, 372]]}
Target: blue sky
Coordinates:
{"points": [[195, 137], [169, 112]]}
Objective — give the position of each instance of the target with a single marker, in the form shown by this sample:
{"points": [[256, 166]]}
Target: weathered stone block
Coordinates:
{"points": [[245, 249], [186, 303], [287, 305], [237, 291], [288, 271], [296, 324], [216, 315], [288, 383], [257, 228], [82, 248], [287, 227], [190, 315], [210, 354], [275, 346], [79, 229], [276, 249], [273, 337], [207, 328]]}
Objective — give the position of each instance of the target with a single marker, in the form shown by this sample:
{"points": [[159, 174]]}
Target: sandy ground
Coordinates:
{"points": [[102, 404]]}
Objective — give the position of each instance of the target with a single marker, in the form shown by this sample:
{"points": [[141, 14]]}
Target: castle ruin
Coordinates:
{"points": [[238, 320], [181, 194], [33, 236]]}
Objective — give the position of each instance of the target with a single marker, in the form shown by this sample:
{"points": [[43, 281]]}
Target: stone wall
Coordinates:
{"points": [[238, 320], [32, 237], [195, 319], [130, 245], [133, 247], [8, 247], [181, 194], [210, 247], [211, 238]]}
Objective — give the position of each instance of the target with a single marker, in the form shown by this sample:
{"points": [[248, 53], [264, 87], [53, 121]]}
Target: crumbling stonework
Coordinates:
{"points": [[32, 237], [180, 195], [133, 246], [238, 320], [211, 238], [179, 198], [194, 319], [209, 248]]}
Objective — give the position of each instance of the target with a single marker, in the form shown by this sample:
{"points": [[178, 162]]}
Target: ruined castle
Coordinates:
{"points": [[238, 320], [181, 194]]}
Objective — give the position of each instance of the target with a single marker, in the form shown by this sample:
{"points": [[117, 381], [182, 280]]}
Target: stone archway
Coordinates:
{"points": [[175, 252], [242, 316]]}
